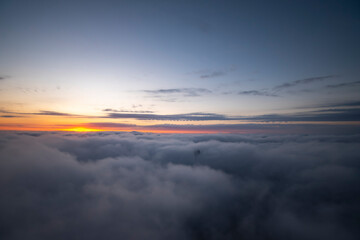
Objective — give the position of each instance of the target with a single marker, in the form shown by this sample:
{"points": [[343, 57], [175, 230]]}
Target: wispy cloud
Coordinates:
{"points": [[323, 115], [273, 92], [47, 113], [257, 93], [10, 116], [302, 81], [345, 84], [53, 113], [176, 94], [125, 111], [344, 104], [173, 117], [331, 105], [186, 92], [204, 74], [213, 74], [3, 77]]}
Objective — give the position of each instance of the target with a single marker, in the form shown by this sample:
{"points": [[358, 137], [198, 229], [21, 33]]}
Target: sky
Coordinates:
{"points": [[179, 119], [180, 66]]}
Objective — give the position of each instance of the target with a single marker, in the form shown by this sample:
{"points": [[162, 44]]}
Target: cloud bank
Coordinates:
{"points": [[145, 186]]}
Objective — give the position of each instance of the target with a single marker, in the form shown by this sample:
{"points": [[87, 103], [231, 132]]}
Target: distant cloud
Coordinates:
{"points": [[273, 92], [4, 111], [186, 92], [302, 81], [53, 113], [47, 113], [323, 115], [125, 111], [172, 117], [345, 84], [234, 128], [213, 74], [349, 111], [257, 93], [343, 104], [208, 73], [10, 116], [176, 94], [3, 77]]}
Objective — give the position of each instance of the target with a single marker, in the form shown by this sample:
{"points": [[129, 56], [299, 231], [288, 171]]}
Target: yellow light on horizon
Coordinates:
{"points": [[81, 129]]}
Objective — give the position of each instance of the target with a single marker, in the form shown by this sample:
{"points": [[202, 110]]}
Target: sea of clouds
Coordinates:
{"points": [[149, 186]]}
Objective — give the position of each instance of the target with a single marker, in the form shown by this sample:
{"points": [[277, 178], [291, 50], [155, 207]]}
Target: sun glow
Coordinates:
{"points": [[82, 129]]}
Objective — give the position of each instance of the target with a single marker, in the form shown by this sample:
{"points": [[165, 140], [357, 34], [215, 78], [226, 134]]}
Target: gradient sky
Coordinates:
{"points": [[196, 66]]}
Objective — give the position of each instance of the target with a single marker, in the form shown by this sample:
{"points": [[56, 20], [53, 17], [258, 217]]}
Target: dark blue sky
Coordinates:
{"points": [[174, 57]]}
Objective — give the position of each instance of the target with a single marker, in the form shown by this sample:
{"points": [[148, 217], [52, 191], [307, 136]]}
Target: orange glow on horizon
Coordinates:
{"points": [[88, 127], [81, 129]]}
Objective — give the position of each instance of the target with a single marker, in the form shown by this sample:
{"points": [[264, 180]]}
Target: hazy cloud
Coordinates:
{"points": [[3, 77], [215, 73]]}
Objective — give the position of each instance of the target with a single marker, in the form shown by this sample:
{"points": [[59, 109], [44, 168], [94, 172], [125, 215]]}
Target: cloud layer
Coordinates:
{"points": [[146, 186]]}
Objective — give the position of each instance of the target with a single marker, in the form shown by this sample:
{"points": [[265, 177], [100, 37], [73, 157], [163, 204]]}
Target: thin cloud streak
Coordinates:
{"points": [[273, 92], [257, 93], [302, 81], [126, 111], [213, 74], [186, 92], [9, 116], [53, 113], [346, 84], [173, 117]]}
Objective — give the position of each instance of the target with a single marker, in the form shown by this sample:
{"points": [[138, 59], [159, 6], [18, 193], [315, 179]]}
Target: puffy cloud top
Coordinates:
{"points": [[147, 186]]}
